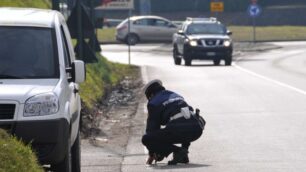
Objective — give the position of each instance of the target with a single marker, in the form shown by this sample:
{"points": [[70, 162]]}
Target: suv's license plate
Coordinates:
{"points": [[210, 53]]}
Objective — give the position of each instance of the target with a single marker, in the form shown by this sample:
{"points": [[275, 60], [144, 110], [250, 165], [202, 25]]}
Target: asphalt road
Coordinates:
{"points": [[255, 109]]}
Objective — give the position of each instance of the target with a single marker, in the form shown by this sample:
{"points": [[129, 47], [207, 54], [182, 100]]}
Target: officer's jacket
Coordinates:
{"points": [[161, 107]]}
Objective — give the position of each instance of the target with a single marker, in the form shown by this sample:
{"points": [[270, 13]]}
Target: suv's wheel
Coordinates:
{"points": [[187, 62], [76, 155], [65, 164], [228, 61], [132, 39], [177, 60], [217, 61]]}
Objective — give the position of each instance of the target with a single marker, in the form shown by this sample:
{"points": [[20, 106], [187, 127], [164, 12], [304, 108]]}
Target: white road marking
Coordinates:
{"points": [[269, 79]]}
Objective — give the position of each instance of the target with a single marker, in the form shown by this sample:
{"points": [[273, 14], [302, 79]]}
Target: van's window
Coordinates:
{"points": [[66, 49], [28, 53]]}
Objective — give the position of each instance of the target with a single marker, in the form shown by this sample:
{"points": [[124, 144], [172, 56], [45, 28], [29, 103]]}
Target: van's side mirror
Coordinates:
{"points": [[228, 32], [78, 71]]}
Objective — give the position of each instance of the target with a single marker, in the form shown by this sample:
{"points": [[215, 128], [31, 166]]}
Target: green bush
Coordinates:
{"points": [[15, 156]]}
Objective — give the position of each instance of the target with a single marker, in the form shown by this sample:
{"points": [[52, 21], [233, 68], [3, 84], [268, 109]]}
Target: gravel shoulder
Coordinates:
{"points": [[106, 129]]}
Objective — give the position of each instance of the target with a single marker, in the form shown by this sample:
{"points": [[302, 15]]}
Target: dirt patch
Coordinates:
{"points": [[108, 123]]}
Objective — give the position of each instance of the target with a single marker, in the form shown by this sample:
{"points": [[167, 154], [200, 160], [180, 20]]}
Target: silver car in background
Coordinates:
{"points": [[145, 29]]}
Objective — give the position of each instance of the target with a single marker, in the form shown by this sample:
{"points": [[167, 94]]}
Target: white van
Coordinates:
{"points": [[39, 76]]}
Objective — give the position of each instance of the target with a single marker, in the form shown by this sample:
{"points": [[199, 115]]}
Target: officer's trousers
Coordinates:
{"points": [[180, 131]]}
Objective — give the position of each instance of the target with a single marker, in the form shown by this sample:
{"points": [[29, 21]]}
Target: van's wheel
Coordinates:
{"points": [[65, 165], [76, 155], [132, 39], [177, 60], [217, 61], [228, 61]]}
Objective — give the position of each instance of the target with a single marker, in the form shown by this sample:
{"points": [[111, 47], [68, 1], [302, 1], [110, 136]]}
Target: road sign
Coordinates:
{"points": [[216, 6], [254, 10], [117, 5]]}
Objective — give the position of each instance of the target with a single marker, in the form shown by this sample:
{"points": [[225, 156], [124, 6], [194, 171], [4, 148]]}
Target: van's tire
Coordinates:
{"points": [[132, 39], [76, 155], [65, 164]]}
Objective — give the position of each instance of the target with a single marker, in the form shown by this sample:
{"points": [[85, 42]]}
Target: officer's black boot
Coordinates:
{"points": [[180, 156]]}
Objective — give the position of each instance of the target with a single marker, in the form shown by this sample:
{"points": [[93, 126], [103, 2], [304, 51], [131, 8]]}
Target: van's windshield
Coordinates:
{"points": [[27, 53]]}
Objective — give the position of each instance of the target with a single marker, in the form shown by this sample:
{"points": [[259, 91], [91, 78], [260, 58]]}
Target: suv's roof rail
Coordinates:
{"points": [[211, 19]]}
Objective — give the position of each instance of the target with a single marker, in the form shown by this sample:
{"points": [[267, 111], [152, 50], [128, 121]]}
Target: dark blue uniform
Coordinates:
{"points": [[161, 107]]}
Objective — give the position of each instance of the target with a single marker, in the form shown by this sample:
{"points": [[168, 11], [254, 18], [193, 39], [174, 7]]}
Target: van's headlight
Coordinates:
{"points": [[227, 43], [43, 104], [193, 43]]}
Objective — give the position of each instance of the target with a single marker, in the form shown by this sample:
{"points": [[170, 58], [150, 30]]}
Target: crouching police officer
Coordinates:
{"points": [[182, 125]]}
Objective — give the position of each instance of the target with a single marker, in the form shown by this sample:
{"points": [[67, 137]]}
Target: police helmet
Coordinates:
{"points": [[153, 87]]}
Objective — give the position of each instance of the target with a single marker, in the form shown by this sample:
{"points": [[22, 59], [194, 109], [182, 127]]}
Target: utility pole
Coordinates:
{"points": [[196, 4], [93, 19], [80, 29], [55, 5], [129, 31]]}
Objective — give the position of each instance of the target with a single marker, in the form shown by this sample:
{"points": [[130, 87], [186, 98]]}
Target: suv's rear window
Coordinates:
{"points": [[28, 52]]}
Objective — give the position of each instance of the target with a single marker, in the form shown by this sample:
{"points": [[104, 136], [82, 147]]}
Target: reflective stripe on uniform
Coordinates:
{"points": [[185, 112]]}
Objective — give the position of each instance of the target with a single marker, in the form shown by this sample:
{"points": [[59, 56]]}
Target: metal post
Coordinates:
{"points": [[55, 5], [92, 14], [80, 32], [254, 29], [129, 30]]}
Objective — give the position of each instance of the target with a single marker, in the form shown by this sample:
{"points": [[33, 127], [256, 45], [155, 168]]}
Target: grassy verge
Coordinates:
{"points": [[240, 33], [107, 35], [100, 78], [278, 33], [15, 156], [26, 3]]}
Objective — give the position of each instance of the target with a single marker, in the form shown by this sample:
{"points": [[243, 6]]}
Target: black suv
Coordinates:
{"points": [[202, 39]]}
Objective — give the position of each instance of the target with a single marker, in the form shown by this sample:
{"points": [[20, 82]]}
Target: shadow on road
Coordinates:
{"points": [[130, 155], [250, 60], [164, 166], [205, 65]]}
